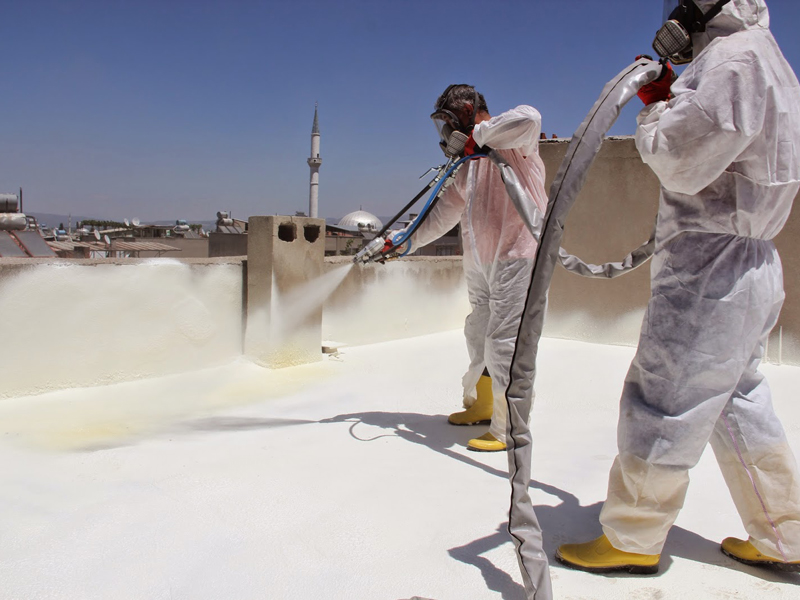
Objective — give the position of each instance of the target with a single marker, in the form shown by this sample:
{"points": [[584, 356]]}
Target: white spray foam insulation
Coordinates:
{"points": [[336, 480], [74, 326], [397, 300]]}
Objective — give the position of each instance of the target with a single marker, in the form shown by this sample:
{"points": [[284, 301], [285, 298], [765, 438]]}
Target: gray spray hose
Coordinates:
{"points": [[533, 218], [583, 148], [634, 259]]}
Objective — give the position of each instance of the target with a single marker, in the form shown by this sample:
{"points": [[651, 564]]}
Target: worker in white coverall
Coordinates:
{"points": [[498, 248], [726, 148]]}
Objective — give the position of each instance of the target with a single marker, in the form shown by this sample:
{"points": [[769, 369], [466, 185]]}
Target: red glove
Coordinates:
{"points": [[389, 246], [470, 147], [659, 89]]}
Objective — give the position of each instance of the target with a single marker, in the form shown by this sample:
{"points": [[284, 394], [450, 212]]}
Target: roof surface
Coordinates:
{"points": [[335, 480]]}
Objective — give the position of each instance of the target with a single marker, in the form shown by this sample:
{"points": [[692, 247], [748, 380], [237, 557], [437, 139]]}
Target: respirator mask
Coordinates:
{"points": [[453, 134], [681, 19]]}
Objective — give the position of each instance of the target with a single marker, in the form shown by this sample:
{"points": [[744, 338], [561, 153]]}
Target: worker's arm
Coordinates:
{"points": [[443, 217], [690, 140], [518, 128]]}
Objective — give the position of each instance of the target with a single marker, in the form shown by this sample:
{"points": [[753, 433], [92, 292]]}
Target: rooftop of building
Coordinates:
{"points": [[337, 480]]}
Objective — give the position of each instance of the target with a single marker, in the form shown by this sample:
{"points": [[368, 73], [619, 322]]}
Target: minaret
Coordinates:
{"points": [[314, 161]]}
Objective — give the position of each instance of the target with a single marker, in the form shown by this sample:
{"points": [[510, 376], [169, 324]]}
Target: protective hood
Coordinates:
{"points": [[737, 15]]}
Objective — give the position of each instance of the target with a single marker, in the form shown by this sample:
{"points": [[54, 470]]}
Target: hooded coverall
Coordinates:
{"points": [[726, 149], [498, 248]]}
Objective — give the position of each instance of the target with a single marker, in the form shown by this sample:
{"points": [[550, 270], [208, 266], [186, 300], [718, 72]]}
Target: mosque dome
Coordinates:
{"points": [[360, 220]]}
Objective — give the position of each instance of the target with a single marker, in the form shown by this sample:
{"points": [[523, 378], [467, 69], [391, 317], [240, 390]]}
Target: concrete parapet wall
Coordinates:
{"points": [[614, 213], [78, 323]]}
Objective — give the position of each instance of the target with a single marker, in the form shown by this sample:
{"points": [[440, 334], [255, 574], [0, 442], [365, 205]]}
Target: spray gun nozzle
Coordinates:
{"points": [[371, 251]]}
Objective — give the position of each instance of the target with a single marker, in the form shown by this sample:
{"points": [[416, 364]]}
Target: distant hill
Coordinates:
{"points": [[51, 219]]}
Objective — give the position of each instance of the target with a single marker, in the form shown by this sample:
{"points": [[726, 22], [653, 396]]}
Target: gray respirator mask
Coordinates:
{"points": [[682, 18], [453, 134], [451, 142]]}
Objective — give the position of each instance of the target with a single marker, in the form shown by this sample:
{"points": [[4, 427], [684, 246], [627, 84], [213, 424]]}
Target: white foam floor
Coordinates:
{"points": [[339, 480]]}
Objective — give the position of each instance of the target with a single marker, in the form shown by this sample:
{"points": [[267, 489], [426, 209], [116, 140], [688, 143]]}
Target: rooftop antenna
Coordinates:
{"points": [[97, 235], [107, 240], [127, 223], [135, 222]]}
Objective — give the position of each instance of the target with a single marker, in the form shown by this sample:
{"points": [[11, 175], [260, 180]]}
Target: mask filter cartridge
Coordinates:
{"points": [[673, 41], [455, 144]]}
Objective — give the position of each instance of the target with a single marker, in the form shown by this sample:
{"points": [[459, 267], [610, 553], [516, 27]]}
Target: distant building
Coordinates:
{"points": [[350, 232], [367, 224], [229, 238]]}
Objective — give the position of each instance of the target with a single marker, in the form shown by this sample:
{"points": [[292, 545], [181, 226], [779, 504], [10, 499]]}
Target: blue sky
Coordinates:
{"points": [[179, 108]]}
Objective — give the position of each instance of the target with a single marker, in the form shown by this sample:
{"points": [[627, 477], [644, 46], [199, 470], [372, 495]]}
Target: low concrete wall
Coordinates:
{"points": [[614, 213], [78, 323]]}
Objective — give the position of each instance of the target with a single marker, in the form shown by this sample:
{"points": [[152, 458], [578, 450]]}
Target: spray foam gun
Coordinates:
{"points": [[384, 248]]}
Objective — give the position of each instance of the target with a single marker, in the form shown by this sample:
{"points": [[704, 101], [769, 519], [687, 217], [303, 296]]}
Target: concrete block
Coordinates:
{"points": [[285, 256]]}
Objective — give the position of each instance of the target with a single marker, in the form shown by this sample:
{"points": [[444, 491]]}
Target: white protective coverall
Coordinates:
{"points": [[498, 248], [726, 149]]}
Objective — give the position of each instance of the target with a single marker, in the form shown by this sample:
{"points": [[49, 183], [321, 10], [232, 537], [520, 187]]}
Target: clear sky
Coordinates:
{"points": [[163, 109]]}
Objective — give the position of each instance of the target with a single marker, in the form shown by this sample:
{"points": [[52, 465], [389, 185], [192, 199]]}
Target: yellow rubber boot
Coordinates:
{"points": [[599, 556], [486, 443], [746, 553], [480, 413]]}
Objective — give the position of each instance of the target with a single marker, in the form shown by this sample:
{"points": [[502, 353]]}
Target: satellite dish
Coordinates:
{"points": [[97, 235], [107, 240], [135, 222], [127, 223]]}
